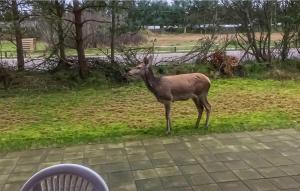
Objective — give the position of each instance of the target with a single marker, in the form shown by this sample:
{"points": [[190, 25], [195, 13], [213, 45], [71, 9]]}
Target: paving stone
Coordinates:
{"points": [[224, 176], [271, 153], [291, 169], [214, 166], [183, 158], [138, 157], [54, 157], [191, 169], [271, 172], [8, 162], [114, 145], [19, 177], [135, 150], [202, 158], [97, 160], [74, 149], [159, 155], [3, 179], [247, 155], [295, 157], [247, 140], [227, 156], [116, 167], [199, 151], [236, 165], [168, 171], [207, 187], [174, 181], [94, 153], [116, 158], [73, 155], [199, 179], [246, 174], [151, 142], [45, 165], [155, 148], [267, 160], [145, 174], [133, 143], [233, 186], [99, 169], [152, 184], [237, 148], [94, 147], [171, 140], [13, 186], [124, 187], [164, 162], [285, 182], [258, 162], [185, 188], [195, 146], [140, 165], [260, 185], [30, 159], [258, 146], [26, 168], [176, 146], [297, 178], [117, 179], [279, 160], [74, 161]]}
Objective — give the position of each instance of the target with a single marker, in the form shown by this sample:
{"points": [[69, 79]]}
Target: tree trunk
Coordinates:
{"points": [[113, 31], [18, 35], [60, 32], [83, 69]]}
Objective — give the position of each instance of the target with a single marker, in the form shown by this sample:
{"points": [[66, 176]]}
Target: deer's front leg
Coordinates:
{"points": [[168, 110]]}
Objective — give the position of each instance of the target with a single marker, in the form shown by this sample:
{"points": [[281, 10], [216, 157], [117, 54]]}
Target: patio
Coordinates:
{"points": [[258, 161]]}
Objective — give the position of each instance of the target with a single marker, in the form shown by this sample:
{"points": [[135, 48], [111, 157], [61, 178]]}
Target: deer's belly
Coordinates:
{"points": [[182, 97]]}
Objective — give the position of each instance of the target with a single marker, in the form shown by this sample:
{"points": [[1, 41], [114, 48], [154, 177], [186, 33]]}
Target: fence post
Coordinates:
{"points": [[175, 49], [5, 53]]}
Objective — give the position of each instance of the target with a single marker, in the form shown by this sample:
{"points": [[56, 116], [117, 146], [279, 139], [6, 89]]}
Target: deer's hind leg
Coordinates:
{"points": [[200, 111], [168, 117], [207, 106]]}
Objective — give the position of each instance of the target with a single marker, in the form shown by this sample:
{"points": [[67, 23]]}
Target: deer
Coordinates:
{"points": [[171, 88]]}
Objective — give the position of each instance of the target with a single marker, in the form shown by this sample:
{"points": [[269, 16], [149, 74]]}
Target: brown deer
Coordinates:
{"points": [[168, 89]]}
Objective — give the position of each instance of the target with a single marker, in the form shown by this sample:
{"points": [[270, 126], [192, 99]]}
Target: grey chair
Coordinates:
{"points": [[65, 177]]}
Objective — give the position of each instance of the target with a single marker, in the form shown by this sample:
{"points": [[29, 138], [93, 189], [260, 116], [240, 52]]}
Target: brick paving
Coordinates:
{"points": [[250, 161]]}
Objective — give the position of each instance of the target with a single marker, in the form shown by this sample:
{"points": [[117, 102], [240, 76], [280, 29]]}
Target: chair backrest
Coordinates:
{"points": [[65, 177]]}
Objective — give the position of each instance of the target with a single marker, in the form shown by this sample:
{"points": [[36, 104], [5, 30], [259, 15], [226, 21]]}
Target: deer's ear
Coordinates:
{"points": [[146, 61]]}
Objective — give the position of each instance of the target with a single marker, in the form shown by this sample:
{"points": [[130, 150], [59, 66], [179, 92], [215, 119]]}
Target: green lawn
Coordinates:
{"points": [[32, 119]]}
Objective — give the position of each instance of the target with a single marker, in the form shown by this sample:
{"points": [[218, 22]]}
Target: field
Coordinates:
{"points": [[163, 42], [190, 39], [32, 119]]}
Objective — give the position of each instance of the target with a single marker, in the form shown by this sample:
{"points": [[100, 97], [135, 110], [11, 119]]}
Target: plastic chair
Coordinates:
{"points": [[65, 177]]}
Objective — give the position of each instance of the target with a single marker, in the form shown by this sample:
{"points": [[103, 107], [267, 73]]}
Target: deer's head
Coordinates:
{"points": [[141, 68]]}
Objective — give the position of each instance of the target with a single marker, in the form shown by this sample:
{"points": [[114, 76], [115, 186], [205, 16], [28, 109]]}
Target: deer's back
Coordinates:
{"points": [[185, 86]]}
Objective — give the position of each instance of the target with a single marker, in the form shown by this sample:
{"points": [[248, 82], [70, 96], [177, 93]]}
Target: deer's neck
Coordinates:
{"points": [[150, 80]]}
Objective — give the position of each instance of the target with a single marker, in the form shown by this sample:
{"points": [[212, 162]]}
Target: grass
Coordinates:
{"points": [[32, 119]]}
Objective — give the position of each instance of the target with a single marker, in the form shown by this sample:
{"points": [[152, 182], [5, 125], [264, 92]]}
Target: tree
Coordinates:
{"points": [[256, 18], [53, 11], [289, 17], [12, 9]]}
